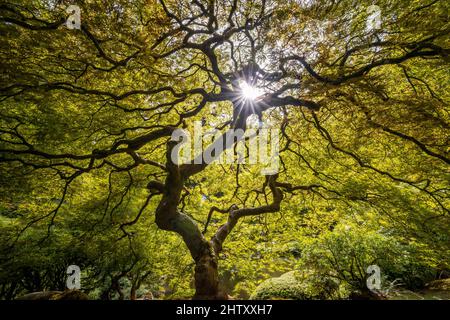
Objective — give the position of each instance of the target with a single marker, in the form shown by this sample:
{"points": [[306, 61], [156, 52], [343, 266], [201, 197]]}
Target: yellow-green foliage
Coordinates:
{"points": [[297, 285]]}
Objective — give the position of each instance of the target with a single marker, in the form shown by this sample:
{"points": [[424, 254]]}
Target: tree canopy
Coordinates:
{"points": [[359, 98]]}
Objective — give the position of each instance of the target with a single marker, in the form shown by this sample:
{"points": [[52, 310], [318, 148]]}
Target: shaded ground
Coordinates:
{"points": [[435, 290]]}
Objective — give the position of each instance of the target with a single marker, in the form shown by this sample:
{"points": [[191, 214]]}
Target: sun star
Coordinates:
{"points": [[249, 92]]}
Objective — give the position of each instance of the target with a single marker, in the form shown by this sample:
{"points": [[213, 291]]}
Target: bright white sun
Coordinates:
{"points": [[249, 92]]}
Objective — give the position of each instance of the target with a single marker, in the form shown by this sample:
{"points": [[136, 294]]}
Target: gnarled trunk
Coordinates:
{"points": [[207, 277], [133, 293], [206, 269], [169, 218]]}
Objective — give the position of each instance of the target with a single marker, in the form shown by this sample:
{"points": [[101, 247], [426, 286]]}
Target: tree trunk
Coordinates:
{"points": [[207, 277], [133, 293], [206, 273], [169, 218]]}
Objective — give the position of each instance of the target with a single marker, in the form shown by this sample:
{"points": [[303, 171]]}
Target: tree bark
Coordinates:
{"points": [[206, 268], [133, 293], [207, 276], [169, 218]]}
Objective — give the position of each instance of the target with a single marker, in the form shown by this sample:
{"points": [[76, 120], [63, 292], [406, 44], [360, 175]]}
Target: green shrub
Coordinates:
{"points": [[297, 285], [346, 253]]}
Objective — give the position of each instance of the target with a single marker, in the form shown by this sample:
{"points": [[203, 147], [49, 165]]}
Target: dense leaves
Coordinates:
{"points": [[86, 116]]}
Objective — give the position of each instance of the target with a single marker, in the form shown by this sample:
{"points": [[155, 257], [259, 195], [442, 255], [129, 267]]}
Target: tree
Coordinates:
{"points": [[361, 108]]}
